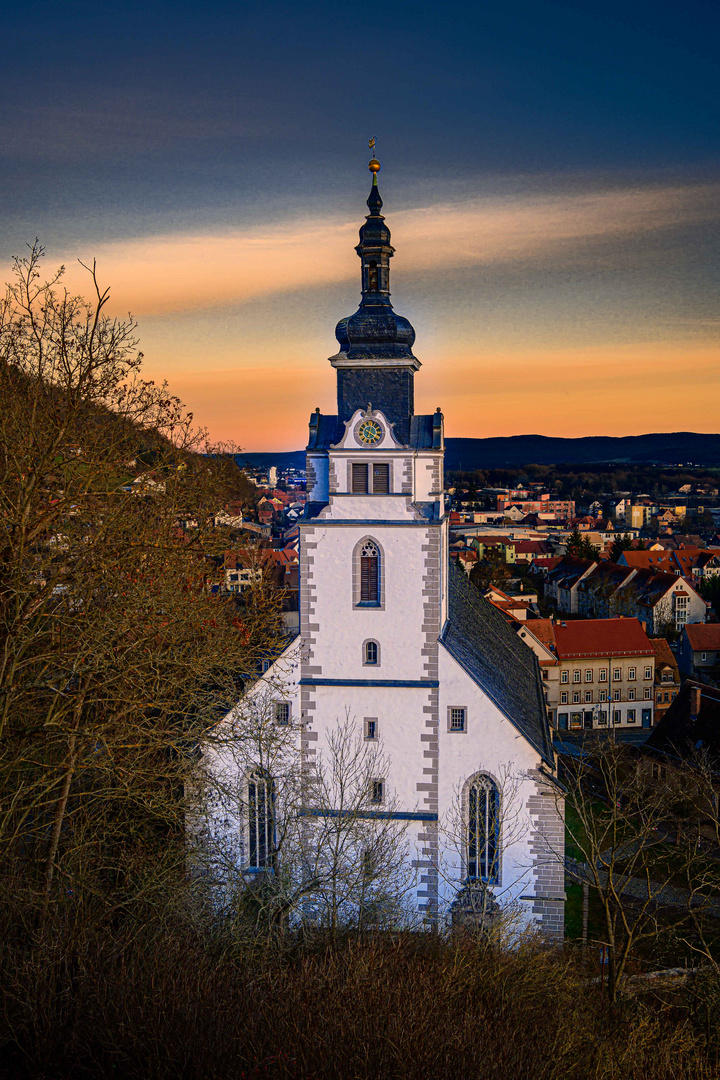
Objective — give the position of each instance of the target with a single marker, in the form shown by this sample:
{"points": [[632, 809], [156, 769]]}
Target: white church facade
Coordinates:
{"points": [[442, 704]]}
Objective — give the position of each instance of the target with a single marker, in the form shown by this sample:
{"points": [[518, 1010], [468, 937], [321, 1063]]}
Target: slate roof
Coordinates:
{"points": [[679, 734], [326, 431], [478, 636]]}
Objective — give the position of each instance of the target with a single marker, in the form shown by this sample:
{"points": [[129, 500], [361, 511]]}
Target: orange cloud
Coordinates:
{"points": [[163, 274]]}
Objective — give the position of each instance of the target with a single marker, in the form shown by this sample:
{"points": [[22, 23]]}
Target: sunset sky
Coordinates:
{"points": [[550, 174]]}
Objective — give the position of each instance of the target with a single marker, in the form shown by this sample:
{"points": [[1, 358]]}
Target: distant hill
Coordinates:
{"points": [[671, 448]]}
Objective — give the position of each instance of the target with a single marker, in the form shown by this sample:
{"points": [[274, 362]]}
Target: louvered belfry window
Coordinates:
{"points": [[369, 573], [359, 478], [381, 479]]}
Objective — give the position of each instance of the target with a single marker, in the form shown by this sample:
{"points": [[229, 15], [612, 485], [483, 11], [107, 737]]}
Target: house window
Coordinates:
{"points": [[588, 675], [602, 717], [576, 720], [666, 697], [282, 712], [370, 727], [602, 696], [369, 574], [588, 696], [647, 693], [359, 478], [457, 719], [631, 693], [576, 697], [616, 695], [265, 665], [648, 673], [371, 654], [576, 675], [564, 676], [617, 674], [260, 821], [483, 827], [377, 792], [631, 673], [381, 478], [631, 716], [563, 697], [603, 676], [617, 716], [703, 656]]}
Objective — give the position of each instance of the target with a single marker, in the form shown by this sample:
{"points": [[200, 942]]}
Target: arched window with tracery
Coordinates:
{"points": [[260, 821], [483, 830], [369, 573]]}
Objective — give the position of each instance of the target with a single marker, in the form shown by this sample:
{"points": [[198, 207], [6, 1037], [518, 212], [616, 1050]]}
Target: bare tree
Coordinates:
{"points": [[113, 652]]}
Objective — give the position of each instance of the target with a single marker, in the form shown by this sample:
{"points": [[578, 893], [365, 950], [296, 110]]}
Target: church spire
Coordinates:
{"points": [[375, 361]]}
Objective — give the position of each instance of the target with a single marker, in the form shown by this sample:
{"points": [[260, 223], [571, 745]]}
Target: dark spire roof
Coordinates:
{"points": [[375, 332]]}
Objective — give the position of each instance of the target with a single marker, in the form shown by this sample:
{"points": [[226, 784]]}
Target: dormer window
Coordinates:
{"points": [[373, 277]]}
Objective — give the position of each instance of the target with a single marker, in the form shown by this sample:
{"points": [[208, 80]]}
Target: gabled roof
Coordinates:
{"points": [[663, 653], [569, 570], [543, 630], [601, 637], [481, 640], [703, 635]]}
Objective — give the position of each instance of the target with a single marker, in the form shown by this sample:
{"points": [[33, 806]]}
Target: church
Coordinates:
{"points": [[439, 704]]}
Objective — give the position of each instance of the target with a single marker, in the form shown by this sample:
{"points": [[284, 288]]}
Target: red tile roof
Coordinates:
{"points": [[601, 637], [703, 635]]}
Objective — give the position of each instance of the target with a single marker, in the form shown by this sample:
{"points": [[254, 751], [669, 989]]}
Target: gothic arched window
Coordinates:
{"points": [[260, 821], [369, 573], [483, 828]]}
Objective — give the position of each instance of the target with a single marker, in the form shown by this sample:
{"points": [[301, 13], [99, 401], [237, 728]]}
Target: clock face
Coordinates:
{"points": [[369, 432]]}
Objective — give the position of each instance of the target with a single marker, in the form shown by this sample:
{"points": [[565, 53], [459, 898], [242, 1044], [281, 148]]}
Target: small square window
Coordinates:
{"points": [[377, 792], [456, 719], [564, 676], [370, 727], [282, 712]]}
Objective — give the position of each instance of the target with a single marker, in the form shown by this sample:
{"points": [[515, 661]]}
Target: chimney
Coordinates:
{"points": [[695, 702]]}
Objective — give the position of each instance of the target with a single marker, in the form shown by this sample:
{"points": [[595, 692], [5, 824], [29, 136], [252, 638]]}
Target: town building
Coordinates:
{"points": [[597, 673], [699, 651], [667, 677], [397, 643]]}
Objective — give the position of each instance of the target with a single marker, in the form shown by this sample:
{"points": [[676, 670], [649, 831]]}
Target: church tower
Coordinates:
{"points": [[396, 642], [373, 549]]}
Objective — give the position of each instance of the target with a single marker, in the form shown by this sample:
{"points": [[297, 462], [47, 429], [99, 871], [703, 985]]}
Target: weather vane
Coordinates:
{"points": [[373, 164]]}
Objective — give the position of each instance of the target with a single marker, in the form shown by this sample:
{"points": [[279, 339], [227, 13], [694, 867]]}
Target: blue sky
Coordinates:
{"points": [[550, 175]]}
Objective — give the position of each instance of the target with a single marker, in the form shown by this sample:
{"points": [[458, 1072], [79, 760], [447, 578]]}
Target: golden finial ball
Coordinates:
{"points": [[374, 165]]}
